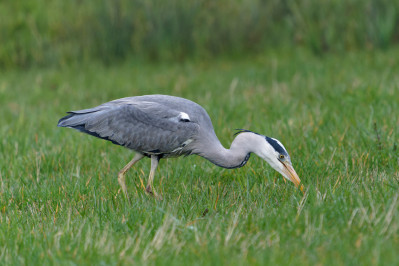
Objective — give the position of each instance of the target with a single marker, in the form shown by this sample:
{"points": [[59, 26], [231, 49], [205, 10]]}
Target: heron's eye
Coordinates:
{"points": [[282, 156]]}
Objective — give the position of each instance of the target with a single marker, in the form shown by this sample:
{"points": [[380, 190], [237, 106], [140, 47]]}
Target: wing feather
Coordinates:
{"points": [[141, 126]]}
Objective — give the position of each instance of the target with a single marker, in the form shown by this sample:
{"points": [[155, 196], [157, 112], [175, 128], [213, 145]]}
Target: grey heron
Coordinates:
{"points": [[162, 126]]}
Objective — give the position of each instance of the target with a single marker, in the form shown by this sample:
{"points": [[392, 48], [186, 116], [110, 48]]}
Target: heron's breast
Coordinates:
{"points": [[182, 149]]}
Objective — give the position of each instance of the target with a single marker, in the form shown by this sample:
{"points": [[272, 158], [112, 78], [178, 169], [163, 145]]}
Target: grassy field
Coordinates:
{"points": [[337, 115]]}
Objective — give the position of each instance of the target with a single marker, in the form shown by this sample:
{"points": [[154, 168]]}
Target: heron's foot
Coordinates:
{"points": [[122, 183], [152, 192]]}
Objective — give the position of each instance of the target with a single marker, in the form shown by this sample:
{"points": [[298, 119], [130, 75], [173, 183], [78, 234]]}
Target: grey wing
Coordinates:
{"points": [[146, 127]]}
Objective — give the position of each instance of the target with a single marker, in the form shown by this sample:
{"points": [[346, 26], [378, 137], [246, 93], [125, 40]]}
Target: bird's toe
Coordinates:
{"points": [[148, 189], [152, 193]]}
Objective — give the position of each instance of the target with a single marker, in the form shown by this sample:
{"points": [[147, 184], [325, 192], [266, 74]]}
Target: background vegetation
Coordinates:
{"points": [[321, 76], [59, 32]]}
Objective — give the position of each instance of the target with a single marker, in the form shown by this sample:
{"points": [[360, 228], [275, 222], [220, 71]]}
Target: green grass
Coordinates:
{"points": [[58, 32], [337, 115]]}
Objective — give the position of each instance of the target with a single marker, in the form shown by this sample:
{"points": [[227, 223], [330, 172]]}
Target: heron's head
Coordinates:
{"points": [[273, 152]]}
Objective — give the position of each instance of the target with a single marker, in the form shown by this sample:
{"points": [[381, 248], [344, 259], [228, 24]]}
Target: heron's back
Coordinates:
{"points": [[149, 124]]}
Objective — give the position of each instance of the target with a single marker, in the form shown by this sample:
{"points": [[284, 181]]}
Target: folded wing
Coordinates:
{"points": [[146, 127]]}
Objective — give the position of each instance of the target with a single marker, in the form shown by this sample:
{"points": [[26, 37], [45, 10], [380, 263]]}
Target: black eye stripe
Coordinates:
{"points": [[276, 146]]}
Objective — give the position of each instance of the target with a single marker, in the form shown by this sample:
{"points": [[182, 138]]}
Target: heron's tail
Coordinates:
{"points": [[74, 120], [78, 120], [63, 122]]}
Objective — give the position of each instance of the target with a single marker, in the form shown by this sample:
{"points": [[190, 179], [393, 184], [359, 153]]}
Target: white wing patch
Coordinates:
{"points": [[184, 117]]}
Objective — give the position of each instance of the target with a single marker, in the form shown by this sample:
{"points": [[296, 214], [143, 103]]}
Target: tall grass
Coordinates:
{"points": [[59, 32]]}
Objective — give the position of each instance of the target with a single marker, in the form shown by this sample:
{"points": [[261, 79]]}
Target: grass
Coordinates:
{"points": [[60, 201], [58, 32]]}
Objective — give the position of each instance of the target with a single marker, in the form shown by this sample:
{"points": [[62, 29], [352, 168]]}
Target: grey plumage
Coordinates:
{"points": [[144, 123], [161, 126]]}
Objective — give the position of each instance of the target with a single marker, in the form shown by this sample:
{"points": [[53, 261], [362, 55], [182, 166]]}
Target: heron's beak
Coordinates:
{"points": [[292, 175]]}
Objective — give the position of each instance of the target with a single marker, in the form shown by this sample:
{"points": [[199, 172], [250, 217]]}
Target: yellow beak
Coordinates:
{"points": [[292, 175]]}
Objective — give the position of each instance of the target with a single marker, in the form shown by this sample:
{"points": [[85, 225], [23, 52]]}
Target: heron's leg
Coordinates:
{"points": [[154, 164], [121, 175]]}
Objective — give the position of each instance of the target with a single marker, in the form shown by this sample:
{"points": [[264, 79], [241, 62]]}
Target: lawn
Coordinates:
{"points": [[337, 115]]}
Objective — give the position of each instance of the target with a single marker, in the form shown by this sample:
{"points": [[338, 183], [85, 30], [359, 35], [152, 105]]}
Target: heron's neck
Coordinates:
{"points": [[238, 154]]}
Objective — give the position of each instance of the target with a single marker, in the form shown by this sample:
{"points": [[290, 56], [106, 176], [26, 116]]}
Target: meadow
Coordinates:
{"points": [[337, 115]]}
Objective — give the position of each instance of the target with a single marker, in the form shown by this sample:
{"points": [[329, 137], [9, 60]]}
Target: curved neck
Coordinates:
{"points": [[238, 154]]}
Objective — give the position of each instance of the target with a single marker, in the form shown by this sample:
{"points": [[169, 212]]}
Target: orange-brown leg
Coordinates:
{"points": [[150, 187], [121, 175]]}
